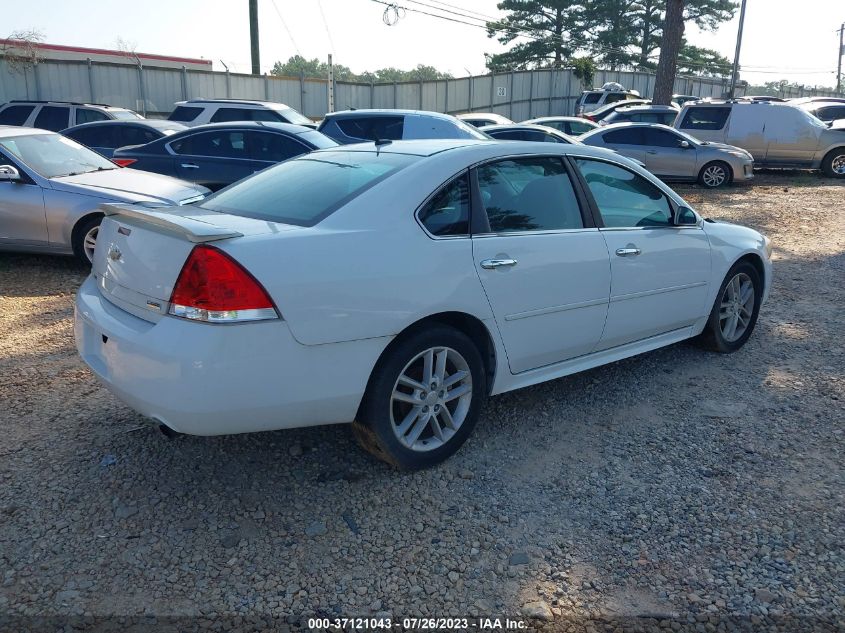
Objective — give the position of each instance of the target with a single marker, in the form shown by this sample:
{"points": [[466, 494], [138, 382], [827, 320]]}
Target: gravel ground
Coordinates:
{"points": [[678, 489]]}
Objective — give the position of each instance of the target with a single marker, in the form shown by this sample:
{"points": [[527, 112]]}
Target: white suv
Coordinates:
{"points": [[594, 99], [201, 111], [59, 115]]}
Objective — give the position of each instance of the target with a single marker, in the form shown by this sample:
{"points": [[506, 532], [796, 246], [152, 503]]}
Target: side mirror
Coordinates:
{"points": [[9, 173], [684, 145], [685, 216]]}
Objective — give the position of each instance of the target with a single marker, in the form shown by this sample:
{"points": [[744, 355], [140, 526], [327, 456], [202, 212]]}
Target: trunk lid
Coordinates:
{"points": [[130, 184], [141, 250]]}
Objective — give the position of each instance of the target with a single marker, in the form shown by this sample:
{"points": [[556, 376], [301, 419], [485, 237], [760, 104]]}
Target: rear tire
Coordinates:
{"points": [[833, 165], [715, 174], [423, 398], [735, 310], [85, 238]]}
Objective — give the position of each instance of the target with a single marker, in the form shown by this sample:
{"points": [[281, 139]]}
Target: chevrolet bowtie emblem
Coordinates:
{"points": [[114, 253]]}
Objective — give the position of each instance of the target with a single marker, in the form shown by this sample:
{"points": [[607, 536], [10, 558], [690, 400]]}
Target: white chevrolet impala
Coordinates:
{"points": [[398, 285]]}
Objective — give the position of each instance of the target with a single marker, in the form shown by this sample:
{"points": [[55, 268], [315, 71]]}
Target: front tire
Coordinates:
{"points": [[715, 174], [85, 239], [735, 310], [423, 398], [833, 165]]}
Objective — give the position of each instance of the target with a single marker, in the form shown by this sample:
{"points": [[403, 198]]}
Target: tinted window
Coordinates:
{"points": [[97, 136], [614, 97], [184, 113], [305, 190], [134, 135], [661, 138], [52, 118], [273, 147], [87, 115], [625, 199], [592, 97], [372, 128], [244, 114], [576, 127], [447, 213], [317, 139], [515, 135], [224, 144], [528, 194], [627, 136], [831, 113], [16, 114], [705, 118]]}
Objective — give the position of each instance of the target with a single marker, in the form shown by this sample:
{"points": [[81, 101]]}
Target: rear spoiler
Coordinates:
{"points": [[186, 221]]}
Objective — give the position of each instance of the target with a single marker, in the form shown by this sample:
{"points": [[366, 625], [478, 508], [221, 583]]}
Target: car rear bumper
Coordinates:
{"points": [[206, 379]]}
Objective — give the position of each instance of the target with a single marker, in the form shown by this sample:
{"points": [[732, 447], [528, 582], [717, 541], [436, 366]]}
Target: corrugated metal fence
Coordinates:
{"points": [[517, 95]]}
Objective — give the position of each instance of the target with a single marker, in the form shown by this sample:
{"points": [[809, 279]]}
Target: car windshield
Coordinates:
{"points": [[812, 118], [305, 190], [125, 115], [293, 116], [53, 155]]}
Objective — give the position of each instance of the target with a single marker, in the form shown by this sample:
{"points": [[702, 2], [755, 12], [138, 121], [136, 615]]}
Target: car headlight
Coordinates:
{"points": [[740, 154], [767, 244]]}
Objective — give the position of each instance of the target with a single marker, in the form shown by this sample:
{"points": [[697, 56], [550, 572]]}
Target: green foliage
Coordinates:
{"points": [[617, 34], [703, 61], [584, 68], [315, 69]]}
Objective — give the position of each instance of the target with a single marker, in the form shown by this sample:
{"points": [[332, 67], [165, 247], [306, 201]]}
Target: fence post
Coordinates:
{"points": [[91, 81], [551, 89], [492, 88], [184, 83], [35, 81], [302, 91], [446, 97], [266, 87], [228, 85], [510, 97], [531, 95], [421, 94], [469, 96], [372, 94], [142, 89], [395, 89], [569, 94]]}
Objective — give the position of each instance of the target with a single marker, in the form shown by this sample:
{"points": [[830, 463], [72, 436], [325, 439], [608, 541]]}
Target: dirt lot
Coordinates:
{"points": [[682, 488]]}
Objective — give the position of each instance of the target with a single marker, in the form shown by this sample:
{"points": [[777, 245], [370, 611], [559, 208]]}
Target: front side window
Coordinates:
{"points": [[221, 144], [528, 194], [661, 138], [625, 199], [16, 114], [87, 115], [626, 136], [96, 136], [447, 213], [53, 118], [705, 118]]}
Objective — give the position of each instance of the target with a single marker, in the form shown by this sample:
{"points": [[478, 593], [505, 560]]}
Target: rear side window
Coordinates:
{"points": [[135, 135], [661, 138], [613, 97], [87, 115], [385, 128], [592, 97], [628, 136], [577, 128], [96, 136], [305, 190], [223, 144], [16, 114], [273, 147], [184, 113], [447, 213], [516, 135], [528, 194], [52, 118], [831, 113], [705, 118]]}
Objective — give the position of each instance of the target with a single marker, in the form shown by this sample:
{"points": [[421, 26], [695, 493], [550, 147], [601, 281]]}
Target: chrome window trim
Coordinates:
{"points": [[535, 232]]}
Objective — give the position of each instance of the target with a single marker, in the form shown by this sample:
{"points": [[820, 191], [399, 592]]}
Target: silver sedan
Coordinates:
{"points": [[51, 188], [673, 155]]}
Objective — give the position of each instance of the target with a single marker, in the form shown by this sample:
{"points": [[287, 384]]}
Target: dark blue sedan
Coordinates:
{"points": [[106, 136], [219, 154]]}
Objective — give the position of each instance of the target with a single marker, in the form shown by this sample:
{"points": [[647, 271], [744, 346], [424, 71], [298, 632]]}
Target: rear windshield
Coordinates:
{"points": [[306, 190], [184, 113], [293, 116], [318, 139], [125, 115]]}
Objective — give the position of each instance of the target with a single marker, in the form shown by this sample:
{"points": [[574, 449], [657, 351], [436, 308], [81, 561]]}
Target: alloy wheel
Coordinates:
{"points": [[431, 399], [89, 242], [737, 307], [714, 176], [838, 165]]}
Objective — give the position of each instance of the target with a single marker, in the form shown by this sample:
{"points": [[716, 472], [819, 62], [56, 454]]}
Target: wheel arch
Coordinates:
{"points": [[757, 262], [74, 232], [713, 161]]}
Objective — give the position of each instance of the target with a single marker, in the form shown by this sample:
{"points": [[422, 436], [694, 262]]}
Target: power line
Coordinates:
{"points": [[284, 24], [326, 24]]}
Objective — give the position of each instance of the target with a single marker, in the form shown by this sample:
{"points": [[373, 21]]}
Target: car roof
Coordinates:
{"points": [[158, 124], [50, 101], [648, 108], [626, 124], [388, 112], [521, 126], [272, 126], [480, 115], [250, 102], [618, 104], [416, 147], [573, 119], [7, 131]]}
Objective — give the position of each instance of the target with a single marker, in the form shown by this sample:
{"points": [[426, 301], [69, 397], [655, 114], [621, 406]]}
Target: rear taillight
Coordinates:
{"points": [[214, 288], [124, 162]]}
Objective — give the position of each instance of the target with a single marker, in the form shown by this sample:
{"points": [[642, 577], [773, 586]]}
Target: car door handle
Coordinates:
{"points": [[490, 264], [628, 252], [651, 151], [190, 166]]}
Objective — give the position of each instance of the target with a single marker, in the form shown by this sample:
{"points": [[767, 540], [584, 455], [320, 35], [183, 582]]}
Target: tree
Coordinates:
{"points": [[670, 47], [584, 68], [703, 61], [315, 69], [548, 26], [21, 51]]}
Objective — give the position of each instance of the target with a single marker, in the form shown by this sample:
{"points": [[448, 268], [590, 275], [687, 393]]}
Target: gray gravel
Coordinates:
{"points": [[685, 489]]}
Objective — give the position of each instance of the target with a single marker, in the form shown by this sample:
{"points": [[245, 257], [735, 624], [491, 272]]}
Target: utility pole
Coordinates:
{"points": [[253, 37], [330, 84], [839, 59], [735, 73]]}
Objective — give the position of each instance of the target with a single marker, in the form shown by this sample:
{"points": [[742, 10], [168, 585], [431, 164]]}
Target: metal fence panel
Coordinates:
{"points": [[118, 86]]}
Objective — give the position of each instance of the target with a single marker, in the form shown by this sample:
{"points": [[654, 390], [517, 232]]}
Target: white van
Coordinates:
{"points": [[776, 134]]}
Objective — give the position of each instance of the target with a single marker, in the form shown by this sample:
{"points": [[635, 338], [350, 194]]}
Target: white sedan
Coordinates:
{"points": [[399, 285]]}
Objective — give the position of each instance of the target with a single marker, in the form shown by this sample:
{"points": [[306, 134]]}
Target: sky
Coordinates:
{"points": [[783, 39]]}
